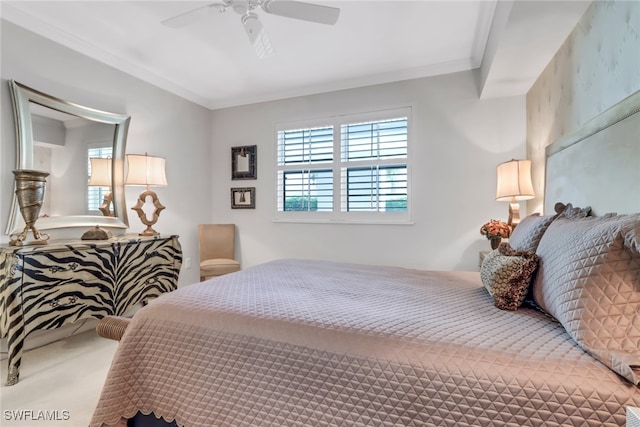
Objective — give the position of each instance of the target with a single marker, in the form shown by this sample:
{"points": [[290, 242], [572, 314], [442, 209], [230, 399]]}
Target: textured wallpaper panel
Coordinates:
{"points": [[596, 67]]}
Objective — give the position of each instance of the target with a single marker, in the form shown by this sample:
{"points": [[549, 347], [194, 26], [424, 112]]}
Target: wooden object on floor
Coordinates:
{"points": [[112, 327], [217, 250]]}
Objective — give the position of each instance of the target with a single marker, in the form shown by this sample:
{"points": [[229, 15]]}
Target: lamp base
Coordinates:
{"points": [[514, 215], [105, 208], [142, 215], [149, 232]]}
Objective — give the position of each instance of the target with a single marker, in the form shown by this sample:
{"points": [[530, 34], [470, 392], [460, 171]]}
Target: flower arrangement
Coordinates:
{"points": [[495, 229]]}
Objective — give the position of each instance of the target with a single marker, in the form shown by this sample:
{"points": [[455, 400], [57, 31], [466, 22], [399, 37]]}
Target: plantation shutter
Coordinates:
{"points": [[308, 186], [382, 185]]}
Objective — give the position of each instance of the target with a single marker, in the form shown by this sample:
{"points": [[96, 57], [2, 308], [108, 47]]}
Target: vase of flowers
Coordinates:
{"points": [[495, 230]]}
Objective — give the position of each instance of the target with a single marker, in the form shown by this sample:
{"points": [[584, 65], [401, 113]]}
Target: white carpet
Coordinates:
{"points": [[60, 383]]}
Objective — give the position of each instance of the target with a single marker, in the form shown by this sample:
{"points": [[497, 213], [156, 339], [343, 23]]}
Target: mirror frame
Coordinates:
{"points": [[21, 96]]}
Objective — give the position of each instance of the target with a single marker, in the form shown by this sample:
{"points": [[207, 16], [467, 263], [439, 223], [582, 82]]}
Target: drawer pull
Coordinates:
{"points": [[57, 268], [56, 302]]}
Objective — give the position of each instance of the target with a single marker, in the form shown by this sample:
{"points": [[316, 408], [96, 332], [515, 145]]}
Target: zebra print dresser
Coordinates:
{"points": [[45, 287]]}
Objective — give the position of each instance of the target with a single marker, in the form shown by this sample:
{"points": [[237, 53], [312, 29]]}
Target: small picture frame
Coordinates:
{"points": [[244, 162], [243, 198]]}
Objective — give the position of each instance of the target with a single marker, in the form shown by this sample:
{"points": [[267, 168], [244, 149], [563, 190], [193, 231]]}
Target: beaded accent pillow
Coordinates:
{"points": [[507, 275]]}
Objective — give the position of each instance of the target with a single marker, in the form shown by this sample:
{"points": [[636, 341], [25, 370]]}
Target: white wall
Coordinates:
{"points": [[457, 142], [162, 124]]}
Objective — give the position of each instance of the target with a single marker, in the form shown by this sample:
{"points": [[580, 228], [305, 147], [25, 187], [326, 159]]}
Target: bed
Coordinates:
{"points": [[317, 343]]}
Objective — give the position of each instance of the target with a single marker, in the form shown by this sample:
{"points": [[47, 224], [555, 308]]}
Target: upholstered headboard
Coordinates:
{"points": [[598, 165]]}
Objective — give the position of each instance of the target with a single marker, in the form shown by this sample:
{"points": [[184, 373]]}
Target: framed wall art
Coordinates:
{"points": [[243, 198], [244, 162]]}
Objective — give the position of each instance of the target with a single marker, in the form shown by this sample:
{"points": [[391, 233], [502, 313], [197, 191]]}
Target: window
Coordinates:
{"points": [[345, 168], [95, 195]]}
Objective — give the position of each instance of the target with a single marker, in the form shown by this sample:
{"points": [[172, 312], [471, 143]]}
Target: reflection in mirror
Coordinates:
{"points": [[62, 146], [100, 180], [60, 137]]}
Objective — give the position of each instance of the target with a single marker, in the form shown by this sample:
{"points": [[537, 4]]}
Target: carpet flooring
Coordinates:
{"points": [[60, 383]]}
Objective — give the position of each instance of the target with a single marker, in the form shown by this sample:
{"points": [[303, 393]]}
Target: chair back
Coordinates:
{"points": [[216, 241]]}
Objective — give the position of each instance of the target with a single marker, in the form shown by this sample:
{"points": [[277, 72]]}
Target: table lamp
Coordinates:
{"points": [[147, 171], [101, 177], [514, 184]]}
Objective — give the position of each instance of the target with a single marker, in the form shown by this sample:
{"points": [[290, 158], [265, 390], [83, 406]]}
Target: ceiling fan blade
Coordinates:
{"points": [[301, 10], [193, 15], [257, 36]]}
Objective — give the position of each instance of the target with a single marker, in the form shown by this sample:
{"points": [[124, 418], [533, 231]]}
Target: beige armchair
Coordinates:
{"points": [[217, 250]]}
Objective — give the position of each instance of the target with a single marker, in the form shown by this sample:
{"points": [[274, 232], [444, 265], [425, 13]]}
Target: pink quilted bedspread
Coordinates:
{"points": [[311, 343]]}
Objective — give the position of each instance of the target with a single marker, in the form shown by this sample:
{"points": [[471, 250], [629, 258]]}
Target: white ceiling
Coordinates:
{"points": [[212, 63]]}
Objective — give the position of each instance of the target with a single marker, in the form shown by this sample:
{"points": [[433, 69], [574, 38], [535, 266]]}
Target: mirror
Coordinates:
{"points": [[59, 137]]}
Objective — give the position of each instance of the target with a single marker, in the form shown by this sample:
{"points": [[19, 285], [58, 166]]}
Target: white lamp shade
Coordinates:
{"points": [[100, 172], [514, 181], [146, 170]]}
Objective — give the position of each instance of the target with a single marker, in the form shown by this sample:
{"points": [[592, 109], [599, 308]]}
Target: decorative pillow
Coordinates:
{"points": [[507, 275], [589, 280], [526, 236]]}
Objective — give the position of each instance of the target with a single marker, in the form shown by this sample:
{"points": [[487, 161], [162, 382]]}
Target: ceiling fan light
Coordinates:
{"points": [[252, 25], [257, 36]]}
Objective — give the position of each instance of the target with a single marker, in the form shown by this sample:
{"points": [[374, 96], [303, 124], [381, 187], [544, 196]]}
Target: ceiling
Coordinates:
{"points": [[211, 61]]}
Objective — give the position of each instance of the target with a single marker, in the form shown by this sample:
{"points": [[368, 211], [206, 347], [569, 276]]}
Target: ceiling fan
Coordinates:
{"points": [[250, 21]]}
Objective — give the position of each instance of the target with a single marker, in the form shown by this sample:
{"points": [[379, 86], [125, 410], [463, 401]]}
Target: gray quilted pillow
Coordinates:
{"points": [[526, 236], [589, 279]]}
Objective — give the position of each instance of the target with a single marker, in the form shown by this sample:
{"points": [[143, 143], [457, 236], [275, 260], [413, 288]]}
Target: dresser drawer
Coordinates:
{"points": [[51, 308], [57, 289], [148, 270]]}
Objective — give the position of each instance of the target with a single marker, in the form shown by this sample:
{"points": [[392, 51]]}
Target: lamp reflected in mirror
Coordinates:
{"points": [[147, 171], [101, 177]]}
